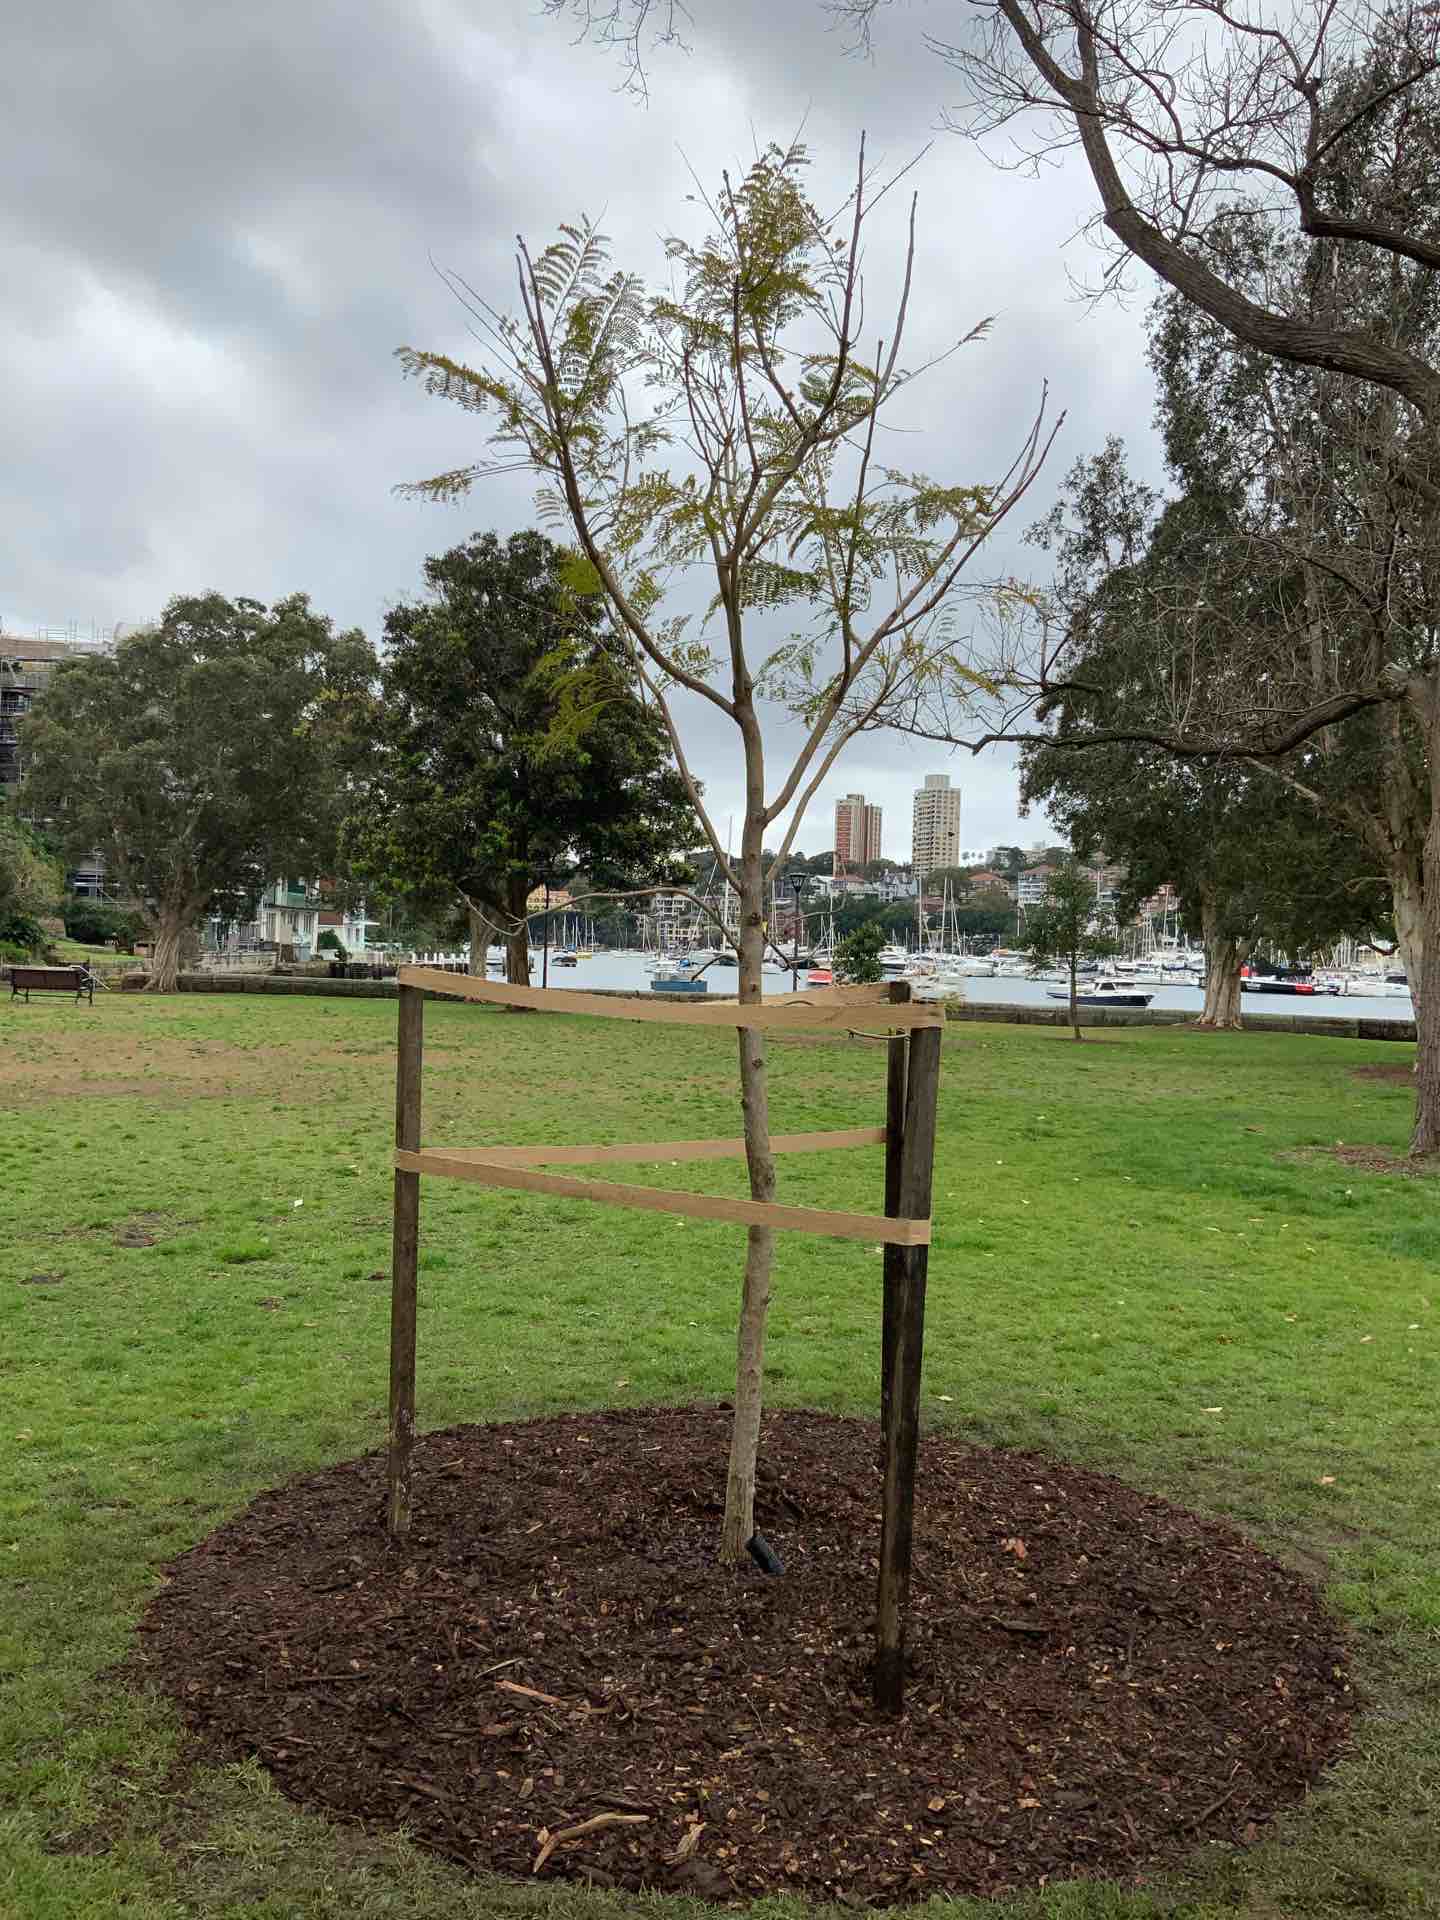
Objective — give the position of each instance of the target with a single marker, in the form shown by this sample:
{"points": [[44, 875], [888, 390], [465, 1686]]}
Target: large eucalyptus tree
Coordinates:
{"points": [[196, 757]]}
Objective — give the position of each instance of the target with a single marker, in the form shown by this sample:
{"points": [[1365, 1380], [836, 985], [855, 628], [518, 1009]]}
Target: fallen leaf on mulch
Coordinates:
{"points": [[687, 1845]]}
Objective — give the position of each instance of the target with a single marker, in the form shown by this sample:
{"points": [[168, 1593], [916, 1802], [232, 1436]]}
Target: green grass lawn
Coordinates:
{"points": [[1137, 1265], [77, 950]]}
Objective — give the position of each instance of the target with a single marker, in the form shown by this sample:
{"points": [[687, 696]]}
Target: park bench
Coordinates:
{"points": [[28, 980]]}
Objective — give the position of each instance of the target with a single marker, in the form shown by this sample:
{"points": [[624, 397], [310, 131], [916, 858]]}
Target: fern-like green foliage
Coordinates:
{"points": [[725, 414]]}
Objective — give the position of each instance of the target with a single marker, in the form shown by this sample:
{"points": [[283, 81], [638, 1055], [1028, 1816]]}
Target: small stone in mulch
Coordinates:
{"points": [[553, 1677]]}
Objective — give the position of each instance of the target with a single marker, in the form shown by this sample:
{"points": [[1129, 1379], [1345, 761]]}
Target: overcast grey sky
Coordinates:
{"points": [[217, 224]]}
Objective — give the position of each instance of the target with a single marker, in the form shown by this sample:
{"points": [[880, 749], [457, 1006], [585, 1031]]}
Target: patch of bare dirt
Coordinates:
{"points": [[1361, 1157], [141, 1230], [1394, 1076], [113, 1065]]}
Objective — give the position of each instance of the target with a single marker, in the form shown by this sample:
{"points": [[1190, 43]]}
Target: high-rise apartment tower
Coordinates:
{"points": [[935, 836], [857, 833]]}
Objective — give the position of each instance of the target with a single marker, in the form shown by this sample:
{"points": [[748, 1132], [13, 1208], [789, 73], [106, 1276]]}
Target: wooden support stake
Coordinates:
{"points": [[902, 1439], [894, 1144], [405, 1260]]}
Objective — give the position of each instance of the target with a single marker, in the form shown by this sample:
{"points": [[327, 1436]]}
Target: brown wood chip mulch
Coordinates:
{"points": [[555, 1669]]}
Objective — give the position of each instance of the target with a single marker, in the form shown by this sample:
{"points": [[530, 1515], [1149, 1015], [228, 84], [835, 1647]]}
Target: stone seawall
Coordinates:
{"points": [[1336, 1026], [1331, 1026], [239, 982]]}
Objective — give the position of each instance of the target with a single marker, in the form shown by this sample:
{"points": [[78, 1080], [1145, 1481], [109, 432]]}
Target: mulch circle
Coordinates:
{"points": [[1099, 1681]]}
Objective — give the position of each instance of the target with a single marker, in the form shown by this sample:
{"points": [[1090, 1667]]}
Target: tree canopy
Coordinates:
{"points": [[197, 757], [1249, 855], [1066, 928], [506, 746], [857, 955]]}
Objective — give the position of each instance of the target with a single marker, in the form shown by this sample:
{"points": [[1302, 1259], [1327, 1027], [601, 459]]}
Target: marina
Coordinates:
{"points": [[1355, 995]]}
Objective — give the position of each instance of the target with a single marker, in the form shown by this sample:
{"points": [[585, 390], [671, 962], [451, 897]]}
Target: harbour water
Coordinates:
{"points": [[627, 970]]}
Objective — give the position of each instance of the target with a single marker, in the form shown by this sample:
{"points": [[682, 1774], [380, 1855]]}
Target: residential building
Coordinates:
{"points": [[25, 666], [857, 833], [1109, 879], [988, 880], [886, 887], [1032, 885], [547, 900], [935, 831], [290, 916]]}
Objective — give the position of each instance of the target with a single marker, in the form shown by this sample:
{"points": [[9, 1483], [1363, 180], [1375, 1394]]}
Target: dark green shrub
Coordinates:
{"points": [[857, 958], [22, 931], [95, 921]]}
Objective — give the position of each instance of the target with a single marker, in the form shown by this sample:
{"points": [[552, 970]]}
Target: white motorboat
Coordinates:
{"points": [[968, 966], [1103, 993]]}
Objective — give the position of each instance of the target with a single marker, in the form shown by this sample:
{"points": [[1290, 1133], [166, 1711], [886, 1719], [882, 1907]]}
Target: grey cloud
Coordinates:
{"points": [[218, 224]]}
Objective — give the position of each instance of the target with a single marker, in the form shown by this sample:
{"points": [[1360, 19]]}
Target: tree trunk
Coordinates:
{"points": [[1426, 1137], [739, 1523], [517, 944], [1074, 1010], [170, 925], [1225, 955], [480, 931], [1408, 893]]}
